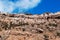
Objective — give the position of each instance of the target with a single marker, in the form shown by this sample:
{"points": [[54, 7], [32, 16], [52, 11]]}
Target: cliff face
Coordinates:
{"points": [[30, 27]]}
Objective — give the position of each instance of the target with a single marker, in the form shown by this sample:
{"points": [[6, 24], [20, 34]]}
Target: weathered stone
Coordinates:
{"points": [[30, 27]]}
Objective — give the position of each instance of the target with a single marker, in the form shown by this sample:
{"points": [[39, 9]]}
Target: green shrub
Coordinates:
{"points": [[53, 24]]}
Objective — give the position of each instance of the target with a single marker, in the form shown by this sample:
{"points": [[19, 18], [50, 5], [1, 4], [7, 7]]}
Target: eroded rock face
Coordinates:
{"points": [[30, 27]]}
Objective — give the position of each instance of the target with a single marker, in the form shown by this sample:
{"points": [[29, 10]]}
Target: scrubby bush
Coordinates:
{"points": [[53, 24], [46, 37], [21, 23], [58, 33], [5, 25]]}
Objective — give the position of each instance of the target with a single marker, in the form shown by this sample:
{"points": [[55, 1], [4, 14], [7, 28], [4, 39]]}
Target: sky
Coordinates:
{"points": [[46, 6], [29, 6]]}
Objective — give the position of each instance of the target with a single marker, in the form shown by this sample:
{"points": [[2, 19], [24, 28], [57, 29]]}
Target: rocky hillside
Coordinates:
{"points": [[30, 27]]}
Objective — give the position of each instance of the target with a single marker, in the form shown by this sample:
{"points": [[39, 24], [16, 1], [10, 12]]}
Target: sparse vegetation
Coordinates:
{"points": [[58, 33], [53, 24], [46, 37], [21, 23], [28, 27]]}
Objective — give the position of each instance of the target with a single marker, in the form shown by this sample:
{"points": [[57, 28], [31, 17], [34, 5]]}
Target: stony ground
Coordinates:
{"points": [[29, 27]]}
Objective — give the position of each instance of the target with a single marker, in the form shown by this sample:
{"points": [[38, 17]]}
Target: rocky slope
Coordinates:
{"points": [[30, 27]]}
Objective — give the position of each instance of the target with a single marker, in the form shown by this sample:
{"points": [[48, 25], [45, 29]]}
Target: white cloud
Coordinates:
{"points": [[20, 5]]}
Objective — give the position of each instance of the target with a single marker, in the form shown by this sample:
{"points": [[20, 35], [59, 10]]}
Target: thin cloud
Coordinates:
{"points": [[17, 5]]}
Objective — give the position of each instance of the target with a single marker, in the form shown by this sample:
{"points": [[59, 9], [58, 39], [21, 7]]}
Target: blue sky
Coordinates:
{"points": [[46, 6], [29, 6]]}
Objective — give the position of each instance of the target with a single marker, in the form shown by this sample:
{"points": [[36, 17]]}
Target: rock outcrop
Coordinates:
{"points": [[30, 27]]}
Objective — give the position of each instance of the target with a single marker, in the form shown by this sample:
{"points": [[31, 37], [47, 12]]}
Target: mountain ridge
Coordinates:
{"points": [[30, 27]]}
